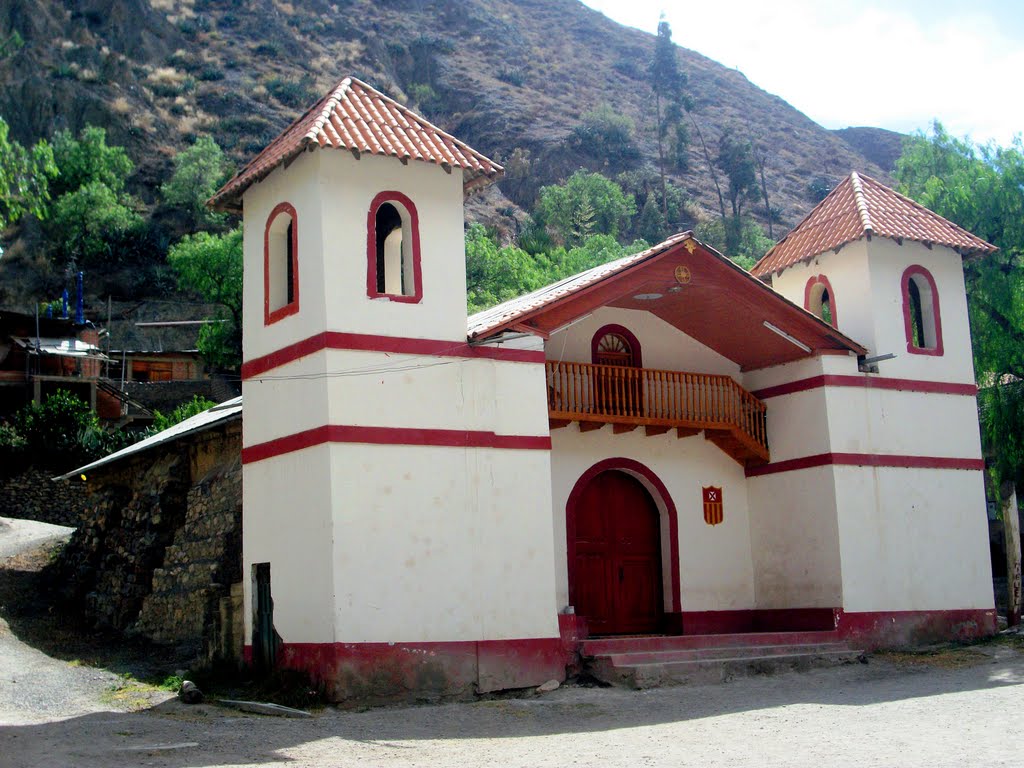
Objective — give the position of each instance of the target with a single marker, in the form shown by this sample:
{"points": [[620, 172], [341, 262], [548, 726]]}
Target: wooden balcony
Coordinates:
{"points": [[658, 401]]}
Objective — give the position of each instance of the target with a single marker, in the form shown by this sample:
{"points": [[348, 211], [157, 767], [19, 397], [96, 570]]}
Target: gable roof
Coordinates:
{"points": [[687, 285], [358, 118], [862, 207]]}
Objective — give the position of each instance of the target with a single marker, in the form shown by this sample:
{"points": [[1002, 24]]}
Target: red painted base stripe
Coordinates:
{"points": [[340, 433], [398, 345], [867, 382], [869, 630], [405, 671], [866, 460]]}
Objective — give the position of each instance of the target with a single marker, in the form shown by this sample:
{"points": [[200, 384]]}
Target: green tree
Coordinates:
{"points": [[186, 410], [668, 85], [736, 160], [90, 226], [86, 159], [751, 245], [981, 188], [24, 178], [587, 203], [495, 274], [94, 221], [210, 266], [198, 173]]}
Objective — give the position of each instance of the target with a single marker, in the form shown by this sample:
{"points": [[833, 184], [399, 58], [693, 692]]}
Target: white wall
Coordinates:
{"points": [[284, 501], [442, 544], [888, 262], [794, 539], [849, 275], [297, 185], [913, 540], [714, 561], [663, 346], [348, 187]]}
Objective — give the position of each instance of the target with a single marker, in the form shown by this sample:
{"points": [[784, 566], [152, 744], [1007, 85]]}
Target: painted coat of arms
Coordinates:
{"points": [[712, 505]]}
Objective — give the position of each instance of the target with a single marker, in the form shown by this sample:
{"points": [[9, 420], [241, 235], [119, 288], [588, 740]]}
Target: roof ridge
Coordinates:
{"points": [[861, 202]]}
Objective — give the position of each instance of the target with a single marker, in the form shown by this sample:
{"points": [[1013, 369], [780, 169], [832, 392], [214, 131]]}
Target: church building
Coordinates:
{"points": [[663, 453]]}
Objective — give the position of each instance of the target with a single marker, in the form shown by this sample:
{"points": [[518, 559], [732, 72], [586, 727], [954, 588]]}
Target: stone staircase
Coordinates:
{"points": [[649, 662]]}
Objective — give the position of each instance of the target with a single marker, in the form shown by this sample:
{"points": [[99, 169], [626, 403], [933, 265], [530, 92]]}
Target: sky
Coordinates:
{"points": [[897, 65]]}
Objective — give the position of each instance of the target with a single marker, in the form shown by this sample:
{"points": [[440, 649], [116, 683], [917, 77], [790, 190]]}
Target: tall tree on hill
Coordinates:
{"points": [[668, 85], [736, 160]]}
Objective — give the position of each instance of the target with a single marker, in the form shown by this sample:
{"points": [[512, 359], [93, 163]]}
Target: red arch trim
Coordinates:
{"points": [[909, 272], [660, 493], [625, 333], [371, 248], [831, 296], [292, 307]]}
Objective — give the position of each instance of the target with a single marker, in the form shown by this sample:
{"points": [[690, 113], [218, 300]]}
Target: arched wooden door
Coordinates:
{"points": [[617, 556]]}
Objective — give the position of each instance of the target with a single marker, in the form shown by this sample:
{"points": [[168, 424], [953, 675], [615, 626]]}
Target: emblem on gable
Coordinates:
{"points": [[682, 273], [713, 511]]}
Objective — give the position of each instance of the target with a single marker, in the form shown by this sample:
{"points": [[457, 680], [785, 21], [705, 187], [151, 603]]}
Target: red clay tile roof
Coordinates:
{"points": [[358, 118], [862, 207]]}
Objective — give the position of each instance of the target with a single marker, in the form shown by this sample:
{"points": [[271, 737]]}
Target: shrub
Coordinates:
{"points": [[184, 411]]}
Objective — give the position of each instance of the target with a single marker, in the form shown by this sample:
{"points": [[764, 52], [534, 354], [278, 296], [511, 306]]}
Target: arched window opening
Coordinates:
{"points": [[614, 349], [921, 318], [393, 249], [819, 299], [280, 264], [391, 261]]}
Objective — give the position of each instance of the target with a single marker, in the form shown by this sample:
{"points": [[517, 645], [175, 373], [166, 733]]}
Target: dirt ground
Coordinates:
{"points": [[948, 707]]}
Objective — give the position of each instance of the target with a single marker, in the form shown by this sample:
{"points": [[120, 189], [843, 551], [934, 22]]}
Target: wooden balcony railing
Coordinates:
{"points": [[595, 395]]}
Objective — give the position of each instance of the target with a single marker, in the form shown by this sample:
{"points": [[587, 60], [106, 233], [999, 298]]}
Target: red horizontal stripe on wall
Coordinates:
{"points": [[866, 460], [445, 438], [867, 382], [399, 345]]}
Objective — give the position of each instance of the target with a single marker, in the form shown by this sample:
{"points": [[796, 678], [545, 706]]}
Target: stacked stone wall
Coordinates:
{"points": [[33, 495], [159, 548]]}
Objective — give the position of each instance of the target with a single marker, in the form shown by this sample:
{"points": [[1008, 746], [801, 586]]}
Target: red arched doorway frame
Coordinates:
{"points": [[666, 508]]}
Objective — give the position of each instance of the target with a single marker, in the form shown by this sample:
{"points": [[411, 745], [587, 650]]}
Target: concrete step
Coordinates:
{"points": [[711, 671], [608, 645], [633, 658]]}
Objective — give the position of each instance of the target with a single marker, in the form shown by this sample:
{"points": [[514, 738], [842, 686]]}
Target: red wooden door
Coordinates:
{"points": [[617, 561]]}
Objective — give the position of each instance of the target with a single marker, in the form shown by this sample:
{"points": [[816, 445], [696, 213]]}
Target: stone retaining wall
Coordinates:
{"points": [[33, 495], [160, 546]]}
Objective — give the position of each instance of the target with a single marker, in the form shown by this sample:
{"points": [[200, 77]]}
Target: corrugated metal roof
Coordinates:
{"points": [[358, 118], [500, 315], [63, 347], [862, 207], [226, 411]]}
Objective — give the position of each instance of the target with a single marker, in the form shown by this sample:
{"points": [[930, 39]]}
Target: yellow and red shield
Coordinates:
{"points": [[712, 505]]}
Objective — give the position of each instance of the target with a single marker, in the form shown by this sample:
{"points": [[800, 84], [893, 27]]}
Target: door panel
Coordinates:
{"points": [[617, 565]]}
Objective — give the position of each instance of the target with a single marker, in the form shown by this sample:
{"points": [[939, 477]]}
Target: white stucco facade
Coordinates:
{"points": [[415, 496]]}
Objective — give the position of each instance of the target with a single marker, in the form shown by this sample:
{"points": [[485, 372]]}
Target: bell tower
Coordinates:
{"points": [[396, 479]]}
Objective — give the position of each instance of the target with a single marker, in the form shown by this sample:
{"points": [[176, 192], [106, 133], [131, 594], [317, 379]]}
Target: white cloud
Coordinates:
{"points": [[853, 63]]}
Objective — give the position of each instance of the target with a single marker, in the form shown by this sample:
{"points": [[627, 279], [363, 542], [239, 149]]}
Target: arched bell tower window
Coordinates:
{"points": [[820, 300], [280, 264], [921, 319], [615, 345], [393, 249]]}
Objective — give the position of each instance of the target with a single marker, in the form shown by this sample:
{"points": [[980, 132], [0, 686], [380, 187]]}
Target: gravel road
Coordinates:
{"points": [[962, 707]]}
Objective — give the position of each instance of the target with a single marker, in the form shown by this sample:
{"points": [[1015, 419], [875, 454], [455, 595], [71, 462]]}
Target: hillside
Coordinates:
{"points": [[501, 74]]}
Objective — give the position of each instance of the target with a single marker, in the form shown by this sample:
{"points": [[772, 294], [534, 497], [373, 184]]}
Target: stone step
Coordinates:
{"points": [[603, 646], [632, 658], [704, 671]]}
